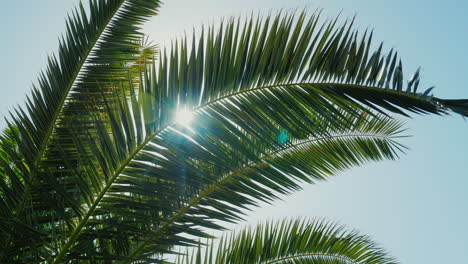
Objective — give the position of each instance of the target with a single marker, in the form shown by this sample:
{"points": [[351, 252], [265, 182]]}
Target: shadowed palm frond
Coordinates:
{"points": [[96, 45], [291, 242]]}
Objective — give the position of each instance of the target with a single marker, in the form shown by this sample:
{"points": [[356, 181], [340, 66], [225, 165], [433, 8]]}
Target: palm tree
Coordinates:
{"points": [[98, 167]]}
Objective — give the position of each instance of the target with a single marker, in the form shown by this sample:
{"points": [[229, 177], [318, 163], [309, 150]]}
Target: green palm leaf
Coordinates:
{"points": [[291, 242], [290, 51], [96, 45], [188, 177]]}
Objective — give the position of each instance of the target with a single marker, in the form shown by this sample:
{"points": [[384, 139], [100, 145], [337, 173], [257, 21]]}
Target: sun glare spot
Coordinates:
{"points": [[184, 117]]}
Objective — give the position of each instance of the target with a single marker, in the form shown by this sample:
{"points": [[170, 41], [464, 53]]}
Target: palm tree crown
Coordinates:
{"points": [[99, 168]]}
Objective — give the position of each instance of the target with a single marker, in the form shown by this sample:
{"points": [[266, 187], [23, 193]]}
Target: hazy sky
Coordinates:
{"points": [[417, 207]]}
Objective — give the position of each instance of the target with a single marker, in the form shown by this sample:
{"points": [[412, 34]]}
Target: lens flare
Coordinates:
{"points": [[184, 117]]}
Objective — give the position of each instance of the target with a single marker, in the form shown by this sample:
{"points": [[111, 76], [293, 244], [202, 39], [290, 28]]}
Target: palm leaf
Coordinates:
{"points": [[290, 242], [92, 51], [291, 51], [188, 177]]}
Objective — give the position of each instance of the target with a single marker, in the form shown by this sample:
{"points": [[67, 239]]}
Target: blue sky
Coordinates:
{"points": [[416, 207]]}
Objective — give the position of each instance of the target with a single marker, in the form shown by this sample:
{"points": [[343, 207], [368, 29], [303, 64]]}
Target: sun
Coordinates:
{"points": [[184, 116]]}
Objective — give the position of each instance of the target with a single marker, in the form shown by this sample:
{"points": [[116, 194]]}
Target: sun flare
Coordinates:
{"points": [[184, 117]]}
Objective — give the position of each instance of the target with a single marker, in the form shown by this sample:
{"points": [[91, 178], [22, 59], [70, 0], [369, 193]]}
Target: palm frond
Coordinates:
{"points": [[177, 178], [291, 242], [292, 50], [95, 47]]}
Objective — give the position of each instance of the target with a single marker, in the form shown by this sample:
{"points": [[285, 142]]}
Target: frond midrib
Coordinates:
{"points": [[358, 86]]}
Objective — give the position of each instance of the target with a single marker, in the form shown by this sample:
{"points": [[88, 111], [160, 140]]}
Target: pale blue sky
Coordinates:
{"points": [[416, 207]]}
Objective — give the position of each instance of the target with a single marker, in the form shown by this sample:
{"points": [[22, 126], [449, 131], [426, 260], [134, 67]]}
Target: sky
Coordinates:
{"points": [[416, 207]]}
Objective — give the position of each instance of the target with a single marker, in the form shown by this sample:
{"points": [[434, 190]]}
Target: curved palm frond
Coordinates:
{"points": [[291, 242], [180, 178], [95, 47], [290, 51]]}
